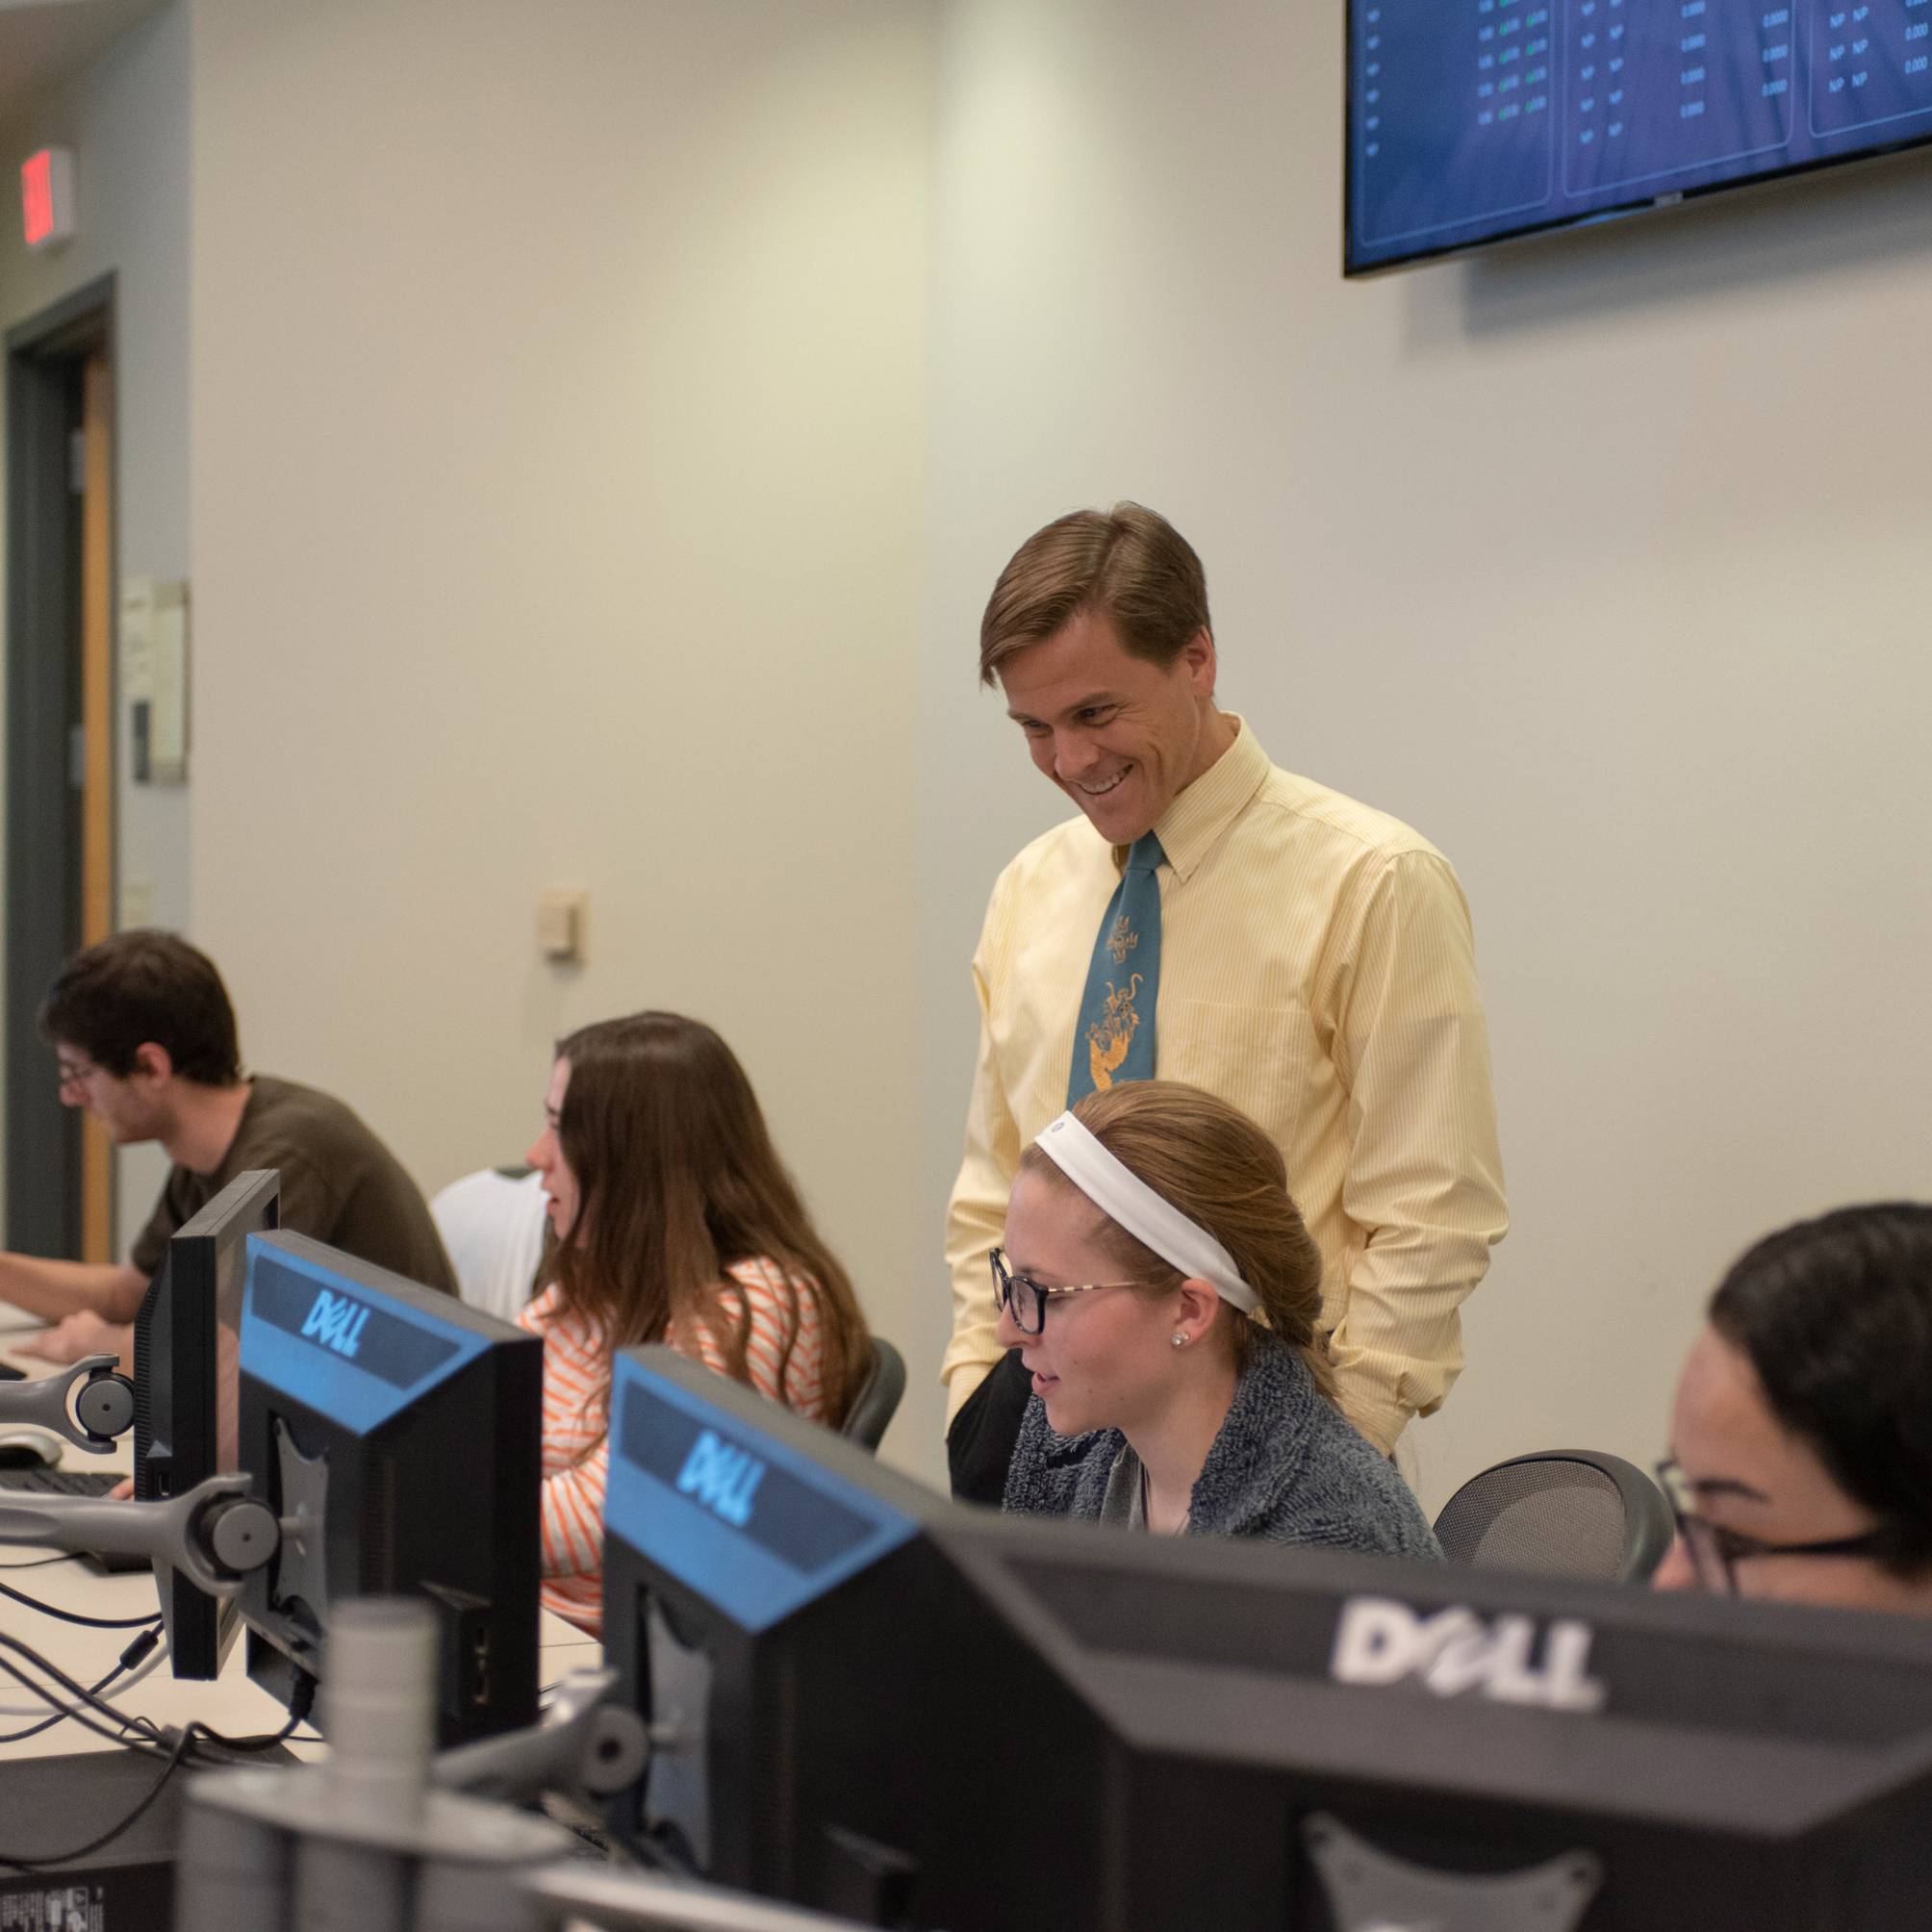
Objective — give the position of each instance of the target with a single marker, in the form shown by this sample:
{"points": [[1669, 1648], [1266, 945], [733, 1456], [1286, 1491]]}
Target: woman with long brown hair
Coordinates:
{"points": [[672, 1220]]}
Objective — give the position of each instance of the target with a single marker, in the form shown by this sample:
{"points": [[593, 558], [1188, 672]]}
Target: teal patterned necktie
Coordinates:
{"points": [[1114, 1040]]}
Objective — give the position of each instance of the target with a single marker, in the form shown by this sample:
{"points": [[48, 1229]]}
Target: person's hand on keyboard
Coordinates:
{"points": [[78, 1335]]}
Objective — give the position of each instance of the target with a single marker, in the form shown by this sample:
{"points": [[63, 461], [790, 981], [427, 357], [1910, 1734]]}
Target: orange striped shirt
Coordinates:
{"points": [[576, 1399]]}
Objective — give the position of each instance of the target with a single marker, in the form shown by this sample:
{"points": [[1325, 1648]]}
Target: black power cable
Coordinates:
{"points": [[175, 1747], [131, 1658], [231, 1750], [46, 1861], [75, 1616], [87, 1702]]}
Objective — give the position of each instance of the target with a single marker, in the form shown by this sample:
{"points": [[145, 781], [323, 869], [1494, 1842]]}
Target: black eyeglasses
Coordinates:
{"points": [[1026, 1299], [74, 1074], [1715, 1551]]}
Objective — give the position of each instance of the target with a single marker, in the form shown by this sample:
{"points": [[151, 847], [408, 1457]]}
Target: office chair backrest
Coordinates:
{"points": [[1565, 1513], [878, 1398]]}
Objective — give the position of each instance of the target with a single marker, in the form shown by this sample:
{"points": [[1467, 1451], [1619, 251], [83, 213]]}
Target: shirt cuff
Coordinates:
{"points": [[1381, 1422]]}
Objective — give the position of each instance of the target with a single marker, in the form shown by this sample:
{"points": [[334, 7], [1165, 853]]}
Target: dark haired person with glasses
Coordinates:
{"points": [[1801, 1435], [1163, 1295], [145, 1039]]}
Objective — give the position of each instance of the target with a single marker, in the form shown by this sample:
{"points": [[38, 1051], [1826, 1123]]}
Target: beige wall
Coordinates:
{"points": [[557, 480], [1604, 561], [127, 118], [607, 421]]}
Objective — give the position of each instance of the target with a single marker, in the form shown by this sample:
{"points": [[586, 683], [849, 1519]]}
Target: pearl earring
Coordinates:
{"points": [[1180, 1341]]}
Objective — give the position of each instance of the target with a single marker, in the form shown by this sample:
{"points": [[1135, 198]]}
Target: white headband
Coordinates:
{"points": [[1122, 1196]]}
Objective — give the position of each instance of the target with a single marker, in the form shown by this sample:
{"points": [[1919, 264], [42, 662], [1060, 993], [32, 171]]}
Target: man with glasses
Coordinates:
{"points": [[1212, 919], [145, 1039]]}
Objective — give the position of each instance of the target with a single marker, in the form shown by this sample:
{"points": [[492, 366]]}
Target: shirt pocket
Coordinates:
{"points": [[1262, 1059]]}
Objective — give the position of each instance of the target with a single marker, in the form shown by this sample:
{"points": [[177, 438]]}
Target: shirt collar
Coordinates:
{"points": [[1190, 827]]}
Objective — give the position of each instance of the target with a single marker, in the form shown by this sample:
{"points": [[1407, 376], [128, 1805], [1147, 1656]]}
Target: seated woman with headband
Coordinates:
{"points": [[1149, 1238], [1801, 1436], [672, 1220]]}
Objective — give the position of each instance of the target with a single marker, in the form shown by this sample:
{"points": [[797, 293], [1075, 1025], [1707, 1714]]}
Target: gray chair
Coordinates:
{"points": [[1574, 1513], [878, 1398]]}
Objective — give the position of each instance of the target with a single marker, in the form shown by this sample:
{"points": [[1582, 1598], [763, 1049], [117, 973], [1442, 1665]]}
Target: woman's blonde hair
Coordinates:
{"points": [[1213, 1164]]}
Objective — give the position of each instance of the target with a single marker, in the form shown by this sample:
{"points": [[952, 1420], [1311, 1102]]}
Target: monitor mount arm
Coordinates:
{"points": [[375, 1833], [101, 1406], [585, 1749], [215, 1534]]}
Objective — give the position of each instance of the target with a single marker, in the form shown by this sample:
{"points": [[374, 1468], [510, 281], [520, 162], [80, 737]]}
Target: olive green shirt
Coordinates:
{"points": [[339, 1184]]}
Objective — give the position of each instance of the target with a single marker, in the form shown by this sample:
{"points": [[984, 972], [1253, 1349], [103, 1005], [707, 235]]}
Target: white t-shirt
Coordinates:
{"points": [[492, 1227]]}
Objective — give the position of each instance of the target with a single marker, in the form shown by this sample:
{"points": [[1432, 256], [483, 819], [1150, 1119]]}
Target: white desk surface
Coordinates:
{"points": [[231, 1704]]}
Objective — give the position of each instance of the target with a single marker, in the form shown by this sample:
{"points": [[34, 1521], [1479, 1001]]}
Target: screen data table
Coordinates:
{"points": [[1474, 119]]}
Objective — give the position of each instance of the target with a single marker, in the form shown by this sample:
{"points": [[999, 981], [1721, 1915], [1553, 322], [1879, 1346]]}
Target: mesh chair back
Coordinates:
{"points": [[878, 1398], [1570, 1512]]}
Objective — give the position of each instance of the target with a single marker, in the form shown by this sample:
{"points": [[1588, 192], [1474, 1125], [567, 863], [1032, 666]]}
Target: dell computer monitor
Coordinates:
{"points": [[873, 1702], [185, 1343], [397, 1436]]}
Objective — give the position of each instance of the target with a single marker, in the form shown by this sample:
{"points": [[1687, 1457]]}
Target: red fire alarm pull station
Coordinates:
{"points": [[48, 198]]}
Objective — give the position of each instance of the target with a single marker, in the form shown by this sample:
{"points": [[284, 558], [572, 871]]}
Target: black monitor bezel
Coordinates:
{"points": [[287, 1662], [1143, 1672], [183, 1298]]}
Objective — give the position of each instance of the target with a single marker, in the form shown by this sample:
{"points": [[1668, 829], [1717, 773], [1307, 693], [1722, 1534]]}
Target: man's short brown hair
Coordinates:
{"points": [[1130, 563], [144, 986]]}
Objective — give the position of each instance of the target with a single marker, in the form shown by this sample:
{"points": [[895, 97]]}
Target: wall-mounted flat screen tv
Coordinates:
{"points": [[1470, 120]]}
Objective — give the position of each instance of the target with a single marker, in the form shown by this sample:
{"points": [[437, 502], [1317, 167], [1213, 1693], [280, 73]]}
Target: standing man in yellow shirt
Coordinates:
{"points": [[1223, 922]]}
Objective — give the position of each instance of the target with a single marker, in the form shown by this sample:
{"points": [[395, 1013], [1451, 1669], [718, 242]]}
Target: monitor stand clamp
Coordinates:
{"points": [[374, 1837], [101, 1406]]}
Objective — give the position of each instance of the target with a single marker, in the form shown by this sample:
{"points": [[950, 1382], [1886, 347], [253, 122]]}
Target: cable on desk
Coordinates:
{"points": [[44, 1861], [202, 1741], [85, 1703], [233, 1749], [139, 1653], [75, 1616], [41, 1563]]}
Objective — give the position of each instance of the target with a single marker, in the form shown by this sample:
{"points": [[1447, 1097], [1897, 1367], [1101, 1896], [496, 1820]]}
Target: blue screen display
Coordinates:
{"points": [[1469, 119]]}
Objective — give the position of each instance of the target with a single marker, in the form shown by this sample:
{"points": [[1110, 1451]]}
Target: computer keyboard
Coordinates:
{"points": [[61, 1482]]}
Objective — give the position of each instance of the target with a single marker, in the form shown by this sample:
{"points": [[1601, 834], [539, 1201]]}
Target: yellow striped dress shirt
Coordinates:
{"points": [[1317, 970]]}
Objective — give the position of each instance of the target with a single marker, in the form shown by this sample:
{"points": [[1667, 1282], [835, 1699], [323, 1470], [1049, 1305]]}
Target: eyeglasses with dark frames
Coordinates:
{"points": [[1026, 1299], [1715, 1551], [74, 1073]]}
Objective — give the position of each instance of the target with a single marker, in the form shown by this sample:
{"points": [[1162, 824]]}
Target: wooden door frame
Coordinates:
{"points": [[45, 360]]}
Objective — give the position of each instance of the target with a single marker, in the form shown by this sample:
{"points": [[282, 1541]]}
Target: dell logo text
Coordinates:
{"points": [[721, 1478], [1381, 1642], [337, 1322]]}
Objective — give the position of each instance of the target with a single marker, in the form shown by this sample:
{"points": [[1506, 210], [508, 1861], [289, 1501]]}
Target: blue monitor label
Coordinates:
{"points": [[343, 1349], [801, 1526], [744, 1519], [723, 1479]]}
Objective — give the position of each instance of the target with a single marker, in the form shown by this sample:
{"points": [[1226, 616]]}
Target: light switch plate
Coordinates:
{"points": [[563, 918]]}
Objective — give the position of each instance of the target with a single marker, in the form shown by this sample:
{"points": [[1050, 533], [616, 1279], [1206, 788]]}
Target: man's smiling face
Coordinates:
{"points": [[1119, 735]]}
